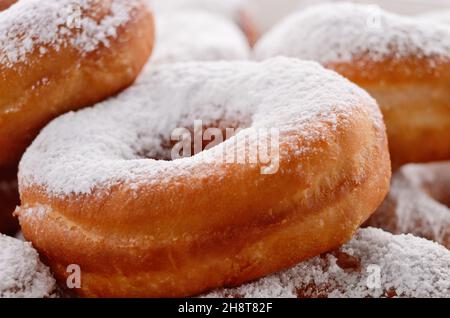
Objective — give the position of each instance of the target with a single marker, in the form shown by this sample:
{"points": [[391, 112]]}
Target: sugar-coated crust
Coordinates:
{"points": [[404, 63], [156, 228], [57, 56], [415, 101], [418, 203], [374, 264]]}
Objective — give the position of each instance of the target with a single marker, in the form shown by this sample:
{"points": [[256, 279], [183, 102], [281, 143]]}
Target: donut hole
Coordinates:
{"points": [[187, 140]]}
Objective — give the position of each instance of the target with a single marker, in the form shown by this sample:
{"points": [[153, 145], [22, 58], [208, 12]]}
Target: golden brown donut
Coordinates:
{"points": [[9, 194], [9, 199], [418, 203], [99, 188], [404, 63], [56, 56], [374, 264]]}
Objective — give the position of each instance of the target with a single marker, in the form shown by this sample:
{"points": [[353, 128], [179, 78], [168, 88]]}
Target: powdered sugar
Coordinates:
{"points": [[107, 145], [437, 16], [42, 25], [332, 33], [22, 275], [197, 36], [229, 9], [38, 210], [373, 264], [411, 206]]}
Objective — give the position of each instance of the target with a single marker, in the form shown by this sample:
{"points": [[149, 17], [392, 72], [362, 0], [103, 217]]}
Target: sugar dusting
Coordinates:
{"points": [[407, 266], [197, 36], [39, 25], [410, 206], [339, 32], [442, 16], [229, 9], [100, 147], [22, 275]]}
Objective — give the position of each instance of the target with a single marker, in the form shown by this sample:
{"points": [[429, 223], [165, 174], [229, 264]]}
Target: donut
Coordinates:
{"points": [[99, 187], [57, 56], [418, 203], [233, 10], [22, 274], [403, 62], [5, 4], [374, 264], [197, 36], [9, 199]]}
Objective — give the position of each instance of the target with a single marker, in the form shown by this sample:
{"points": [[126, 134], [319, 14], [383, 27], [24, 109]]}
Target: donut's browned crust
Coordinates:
{"points": [[257, 224], [9, 195], [248, 26], [9, 199], [414, 96], [74, 81], [5, 4]]}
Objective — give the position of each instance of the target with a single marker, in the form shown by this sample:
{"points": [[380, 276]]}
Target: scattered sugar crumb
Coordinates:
{"points": [[22, 275], [373, 264]]}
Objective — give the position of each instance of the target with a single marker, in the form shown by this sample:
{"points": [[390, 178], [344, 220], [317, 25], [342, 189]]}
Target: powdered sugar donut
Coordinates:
{"points": [[197, 36], [373, 264], [56, 56], [98, 187], [403, 62], [418, 203], [22, 275], [233, 10]]}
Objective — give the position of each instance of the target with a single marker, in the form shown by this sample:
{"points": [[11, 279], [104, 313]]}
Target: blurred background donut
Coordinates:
{"points": [[269, 12]]}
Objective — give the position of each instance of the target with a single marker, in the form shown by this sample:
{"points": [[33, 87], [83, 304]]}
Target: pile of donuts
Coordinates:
{"points": [[92, 90]]}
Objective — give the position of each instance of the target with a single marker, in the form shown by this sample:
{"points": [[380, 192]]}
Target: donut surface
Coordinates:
{"points": [[197, 36], [233, 10], [5, 4], [98, 186], [418, 203], [374, 264], [56, 56], [22, 275], [404, 63]]}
